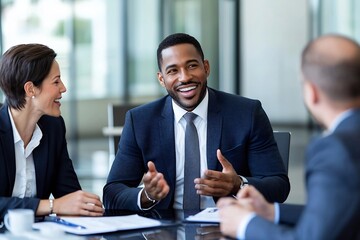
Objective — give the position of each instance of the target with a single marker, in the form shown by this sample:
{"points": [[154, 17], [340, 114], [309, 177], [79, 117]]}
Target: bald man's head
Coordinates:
{"points": [[332, 62]]}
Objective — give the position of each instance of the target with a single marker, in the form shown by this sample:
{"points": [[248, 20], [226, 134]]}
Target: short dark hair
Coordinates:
{"points": [[175, 39], [20, 64], [338, 78]]}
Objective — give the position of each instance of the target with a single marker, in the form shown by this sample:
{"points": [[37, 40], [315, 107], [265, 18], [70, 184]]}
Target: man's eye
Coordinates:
{"points": [[171, 71]]}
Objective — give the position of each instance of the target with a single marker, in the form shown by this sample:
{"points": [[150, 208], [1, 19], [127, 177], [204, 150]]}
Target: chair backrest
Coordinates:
{"points": [[116, 118], [282, 139]]}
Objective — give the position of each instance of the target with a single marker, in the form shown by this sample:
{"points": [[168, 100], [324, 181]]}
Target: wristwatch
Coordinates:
{"points": [[244, 182]]}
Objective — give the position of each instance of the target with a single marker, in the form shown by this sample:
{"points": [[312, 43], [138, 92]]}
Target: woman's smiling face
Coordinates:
{"points": [[48, 95]]}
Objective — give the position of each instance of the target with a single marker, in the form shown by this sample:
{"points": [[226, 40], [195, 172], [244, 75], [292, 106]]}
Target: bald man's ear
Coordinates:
{"points": [[311, 93], [161, 79]]}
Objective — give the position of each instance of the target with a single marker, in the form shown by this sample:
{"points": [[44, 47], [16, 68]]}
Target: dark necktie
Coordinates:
{"points": [[192, 163]]}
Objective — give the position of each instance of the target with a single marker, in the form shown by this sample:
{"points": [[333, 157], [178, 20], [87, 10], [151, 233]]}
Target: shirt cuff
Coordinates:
{"points": [[245, 181], [241, 230], [139, 201], [276, 213]]}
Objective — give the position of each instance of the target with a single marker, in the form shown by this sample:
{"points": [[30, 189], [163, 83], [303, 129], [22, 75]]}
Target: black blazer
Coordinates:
{"points": [[236, 125], [54, 170]]}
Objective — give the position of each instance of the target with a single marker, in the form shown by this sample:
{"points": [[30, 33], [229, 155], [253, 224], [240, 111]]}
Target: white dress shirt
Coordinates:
{"points": [[25, 178], [201, 125], [179, 127]]}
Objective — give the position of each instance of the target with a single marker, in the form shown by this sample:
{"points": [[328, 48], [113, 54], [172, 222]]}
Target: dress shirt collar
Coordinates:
{"points": [[35, 139], [339, 119], [201, 110], [16, 134]]}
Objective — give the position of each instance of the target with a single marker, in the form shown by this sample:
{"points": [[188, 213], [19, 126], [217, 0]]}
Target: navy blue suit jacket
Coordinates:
{"points": [[333, 197], [236, 125], [54, 170]]}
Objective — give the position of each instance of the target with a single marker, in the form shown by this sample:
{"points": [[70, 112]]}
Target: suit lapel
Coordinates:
{"points": [[7, 146], [213, 130], [167, 142]]}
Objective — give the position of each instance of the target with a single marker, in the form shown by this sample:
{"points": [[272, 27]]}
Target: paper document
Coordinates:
{"points": [[92, 225], [210, 215]]}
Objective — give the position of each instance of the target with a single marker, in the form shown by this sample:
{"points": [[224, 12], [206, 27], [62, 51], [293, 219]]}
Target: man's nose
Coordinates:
{"points": [[184, 75]]}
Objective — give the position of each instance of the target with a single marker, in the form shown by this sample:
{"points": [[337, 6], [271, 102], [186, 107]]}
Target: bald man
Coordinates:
{"points": [[331, 91]]}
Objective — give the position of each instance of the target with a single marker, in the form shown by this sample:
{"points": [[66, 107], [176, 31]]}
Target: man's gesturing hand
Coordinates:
{"points": [[219, 184], [156, 186]]}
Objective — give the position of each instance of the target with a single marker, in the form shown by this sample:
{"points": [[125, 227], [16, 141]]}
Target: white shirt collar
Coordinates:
{"points": [[16, 134], [37, 135], [341, 117], [25, 177], [201, 110]]}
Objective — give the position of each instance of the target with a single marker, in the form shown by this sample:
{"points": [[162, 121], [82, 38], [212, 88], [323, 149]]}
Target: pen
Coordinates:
{"points": [[212, 210], [63, 222]]}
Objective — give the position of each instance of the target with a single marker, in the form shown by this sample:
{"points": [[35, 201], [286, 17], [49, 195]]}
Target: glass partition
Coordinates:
{"points": [[332, 16]]}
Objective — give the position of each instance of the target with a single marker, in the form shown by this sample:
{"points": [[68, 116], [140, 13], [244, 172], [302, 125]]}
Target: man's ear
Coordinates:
{"points": [[311, 93], [207, 67], [315, 93], [160, 79]]}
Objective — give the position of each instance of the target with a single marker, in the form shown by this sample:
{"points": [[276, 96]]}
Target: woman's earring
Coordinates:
{"points": [[33, 97]]}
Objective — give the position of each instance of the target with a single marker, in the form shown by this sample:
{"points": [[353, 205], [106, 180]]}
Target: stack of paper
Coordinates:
{"points": [[207, 215], [92, 225]]}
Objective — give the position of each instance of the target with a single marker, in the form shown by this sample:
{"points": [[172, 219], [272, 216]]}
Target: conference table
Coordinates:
{"points": [[173, 227]]}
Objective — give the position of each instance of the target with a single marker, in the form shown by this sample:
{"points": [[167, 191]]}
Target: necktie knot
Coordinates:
{"points": [[190, 117]]}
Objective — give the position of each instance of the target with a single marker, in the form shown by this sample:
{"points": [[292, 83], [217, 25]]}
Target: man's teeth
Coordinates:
{"points": [[187, 89]]}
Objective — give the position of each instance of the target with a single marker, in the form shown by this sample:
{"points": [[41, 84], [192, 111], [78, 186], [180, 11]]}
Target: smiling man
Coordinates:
{"points": [[234, 141]]}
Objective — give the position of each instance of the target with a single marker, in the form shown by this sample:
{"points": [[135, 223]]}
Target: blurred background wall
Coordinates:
{"points": [[107, 48], [107, 51]]}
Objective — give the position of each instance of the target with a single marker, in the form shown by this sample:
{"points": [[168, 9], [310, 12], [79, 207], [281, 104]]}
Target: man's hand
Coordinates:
{"points": [[231, 213], [219, 184], [250, 198], [155, 186]]}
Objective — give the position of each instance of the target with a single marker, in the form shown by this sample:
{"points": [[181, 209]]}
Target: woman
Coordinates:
{"points": [[34, 161]]}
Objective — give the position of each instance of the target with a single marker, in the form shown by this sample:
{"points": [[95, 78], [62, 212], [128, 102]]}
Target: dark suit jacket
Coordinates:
{"points": [[54, 170], [236, 125], [332, 182]]}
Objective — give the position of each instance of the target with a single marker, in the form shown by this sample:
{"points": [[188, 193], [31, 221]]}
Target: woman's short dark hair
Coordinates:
{"points": [[175, 39], [20, 64]]}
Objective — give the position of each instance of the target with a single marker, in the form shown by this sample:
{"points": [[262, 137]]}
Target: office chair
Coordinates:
{"points": [[282, 139], [116, 120]]}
